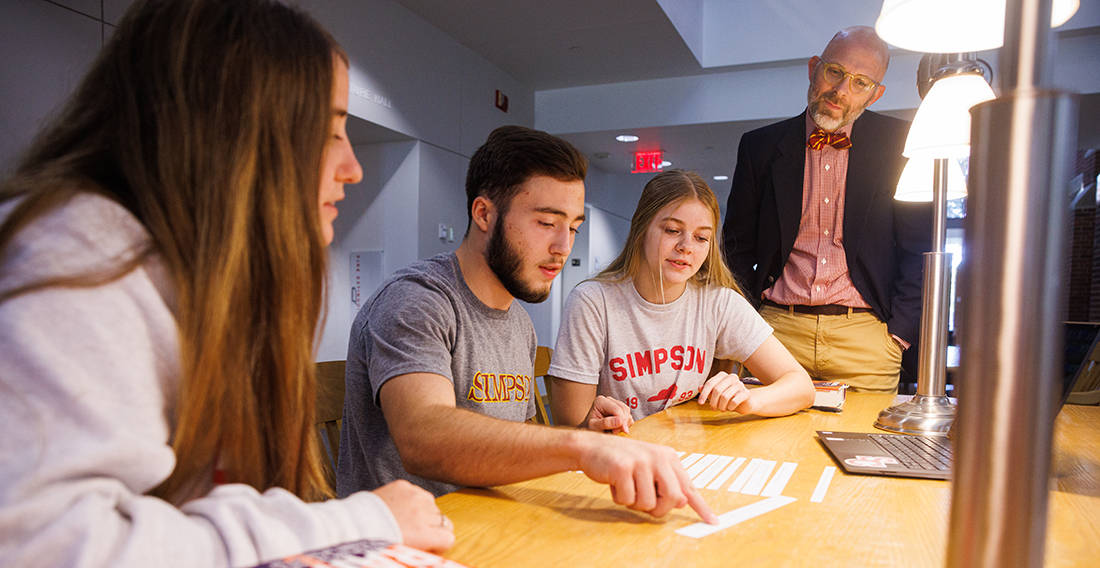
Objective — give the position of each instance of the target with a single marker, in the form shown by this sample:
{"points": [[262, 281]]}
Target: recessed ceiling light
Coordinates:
{"points": [[721, 178], [626, 138], [666, 164]]}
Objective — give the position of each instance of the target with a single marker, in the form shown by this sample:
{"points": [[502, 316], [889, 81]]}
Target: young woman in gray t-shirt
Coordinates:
{"points": [[644, 332]]}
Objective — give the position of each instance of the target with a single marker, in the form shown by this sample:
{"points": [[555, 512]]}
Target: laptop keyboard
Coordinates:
{"points": [[916, 452]]}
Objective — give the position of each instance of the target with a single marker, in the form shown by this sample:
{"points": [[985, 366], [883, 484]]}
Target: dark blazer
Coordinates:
{"points": [[884, 239]]}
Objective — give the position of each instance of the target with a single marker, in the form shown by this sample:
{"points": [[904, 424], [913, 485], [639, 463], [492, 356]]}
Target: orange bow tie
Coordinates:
{"points": [[819, 138]]}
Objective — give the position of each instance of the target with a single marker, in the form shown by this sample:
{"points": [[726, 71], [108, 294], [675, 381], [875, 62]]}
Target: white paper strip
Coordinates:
{"points": [[727, 520], [745, 475], [823, 484], [779, 482], [712, 470], [700, 465], [722, 479], [691, 459], [759, 478]]}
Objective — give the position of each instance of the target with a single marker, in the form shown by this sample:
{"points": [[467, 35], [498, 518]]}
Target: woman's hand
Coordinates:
{"points": [[609, 415], [726, 392], [422, 524]]}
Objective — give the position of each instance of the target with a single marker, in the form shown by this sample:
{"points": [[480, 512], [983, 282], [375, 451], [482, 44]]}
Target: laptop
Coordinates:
{"points": [[930, 457]]}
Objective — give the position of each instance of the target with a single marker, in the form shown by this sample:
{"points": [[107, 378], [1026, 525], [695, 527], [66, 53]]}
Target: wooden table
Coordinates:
{"points": [[569, 520]]}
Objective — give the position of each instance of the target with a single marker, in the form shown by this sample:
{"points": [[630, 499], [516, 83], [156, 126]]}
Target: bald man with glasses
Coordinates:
{"points": [[812, 229]]}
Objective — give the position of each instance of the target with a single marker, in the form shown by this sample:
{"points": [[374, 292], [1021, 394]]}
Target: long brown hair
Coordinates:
{"points": [[207, 119], [667, 187]]}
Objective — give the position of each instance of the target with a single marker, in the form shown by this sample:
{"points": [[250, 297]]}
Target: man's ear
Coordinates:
{"points": [[483, 213], [878, 93], [813, 67]]}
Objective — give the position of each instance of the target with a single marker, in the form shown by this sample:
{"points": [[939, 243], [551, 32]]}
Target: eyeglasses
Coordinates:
{"points": [[858, 84]]}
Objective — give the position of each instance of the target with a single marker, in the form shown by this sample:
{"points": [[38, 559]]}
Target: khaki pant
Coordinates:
{"points": [[856, 349]]}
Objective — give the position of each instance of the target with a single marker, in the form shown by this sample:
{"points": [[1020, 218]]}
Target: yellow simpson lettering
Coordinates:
{"points": [[477, 389], [491, 387], [509, 384], [523, 382]]}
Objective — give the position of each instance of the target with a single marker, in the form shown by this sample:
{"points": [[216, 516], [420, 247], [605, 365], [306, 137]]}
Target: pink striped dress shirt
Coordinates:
{"points": [[816, 272]]}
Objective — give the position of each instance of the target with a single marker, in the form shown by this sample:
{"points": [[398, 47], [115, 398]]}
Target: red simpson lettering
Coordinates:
{"points": [[618, 372], [640, 363], [659, 356], [677, 357]]}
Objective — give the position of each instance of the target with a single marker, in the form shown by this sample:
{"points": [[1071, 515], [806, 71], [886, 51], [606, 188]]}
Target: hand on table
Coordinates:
{"points": [[422, 524], [644, 477], [726, 392], [608, 414]]}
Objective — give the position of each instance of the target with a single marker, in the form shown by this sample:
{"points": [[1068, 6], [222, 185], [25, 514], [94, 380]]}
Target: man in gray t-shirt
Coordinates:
{"points": [[425, 319], [441, 357]]}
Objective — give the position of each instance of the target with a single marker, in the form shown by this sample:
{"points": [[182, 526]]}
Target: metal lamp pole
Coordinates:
{"points": [[1011, 321]]}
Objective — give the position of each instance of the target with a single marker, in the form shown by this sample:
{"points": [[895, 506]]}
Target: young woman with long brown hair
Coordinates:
{"points": [[643, 333], [162, 271]]}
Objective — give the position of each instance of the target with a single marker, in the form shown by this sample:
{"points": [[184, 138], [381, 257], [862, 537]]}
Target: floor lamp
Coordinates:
{"points": [[940, 134]]}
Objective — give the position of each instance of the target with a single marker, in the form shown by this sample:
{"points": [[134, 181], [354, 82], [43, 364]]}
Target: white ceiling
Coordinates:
{"points": [[556, 44], [551, 44], [567, 43]]}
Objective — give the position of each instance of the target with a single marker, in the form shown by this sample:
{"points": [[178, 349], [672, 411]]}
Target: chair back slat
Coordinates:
{"points": [[329, 411], [542, 366]]}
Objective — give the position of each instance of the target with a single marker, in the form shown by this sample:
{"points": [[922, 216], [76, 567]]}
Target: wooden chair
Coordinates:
{"points": [[329, 411], [542, 366], [726, 366]]}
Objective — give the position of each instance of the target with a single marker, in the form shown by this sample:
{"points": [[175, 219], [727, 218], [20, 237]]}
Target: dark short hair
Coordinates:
{"points": [[512, 155]]}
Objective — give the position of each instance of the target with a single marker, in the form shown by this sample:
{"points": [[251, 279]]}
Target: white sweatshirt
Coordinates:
{"points": [[88, 377]]}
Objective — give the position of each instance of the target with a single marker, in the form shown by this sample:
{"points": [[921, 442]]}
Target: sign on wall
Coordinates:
{"points": [[366, 276], [647, 162]]}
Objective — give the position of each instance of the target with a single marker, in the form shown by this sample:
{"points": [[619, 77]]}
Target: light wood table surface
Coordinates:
{"points": [[569, 520]]}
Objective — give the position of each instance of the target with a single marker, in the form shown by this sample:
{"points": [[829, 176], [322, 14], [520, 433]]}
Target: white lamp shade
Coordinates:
{"points": [[941, 128], [953, 26], [918, 177]]}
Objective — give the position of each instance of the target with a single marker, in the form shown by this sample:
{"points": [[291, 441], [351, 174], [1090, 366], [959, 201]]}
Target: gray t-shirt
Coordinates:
{"points": [[425, 319], [652, 356]]}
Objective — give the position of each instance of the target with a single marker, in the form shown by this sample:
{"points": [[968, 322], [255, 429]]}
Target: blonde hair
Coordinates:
{"points": [[208, 120], [667, 187]]}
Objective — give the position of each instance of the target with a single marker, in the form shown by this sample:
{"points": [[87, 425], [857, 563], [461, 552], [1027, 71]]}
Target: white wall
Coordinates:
{"points": [[599, 240], [46, 49], [703, 99], [434, 88], [732, 36], [370, 219], [412, 79], [443, 199], [607, 234], [617, 193], [734, 95]]}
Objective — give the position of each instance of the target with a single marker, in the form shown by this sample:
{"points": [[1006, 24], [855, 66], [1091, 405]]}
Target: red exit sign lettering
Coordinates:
{"points": [[645, 162]]}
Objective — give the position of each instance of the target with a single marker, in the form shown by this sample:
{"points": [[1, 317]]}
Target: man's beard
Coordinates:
{"points": [[506, 262], [818, 111]]}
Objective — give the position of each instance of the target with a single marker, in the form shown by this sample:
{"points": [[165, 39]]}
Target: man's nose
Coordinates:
{"points": [[844, 87], [562, 243]]}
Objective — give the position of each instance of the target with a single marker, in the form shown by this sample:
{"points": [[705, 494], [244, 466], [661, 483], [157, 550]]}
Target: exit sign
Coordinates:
{"points": [[645, 162]]}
